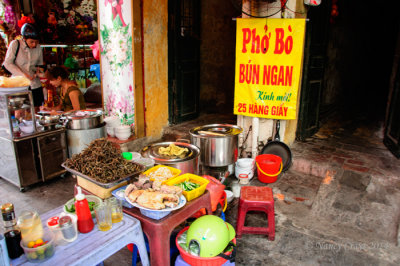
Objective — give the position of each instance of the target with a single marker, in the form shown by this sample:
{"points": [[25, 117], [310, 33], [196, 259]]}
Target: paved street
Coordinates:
{"points": [[337, 205]]}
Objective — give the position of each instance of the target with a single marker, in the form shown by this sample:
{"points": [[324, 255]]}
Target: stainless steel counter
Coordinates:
{"points": [[34, 158]]}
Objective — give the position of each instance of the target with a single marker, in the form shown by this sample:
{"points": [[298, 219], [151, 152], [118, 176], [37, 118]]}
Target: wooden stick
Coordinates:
{"points": [[211, 133]]}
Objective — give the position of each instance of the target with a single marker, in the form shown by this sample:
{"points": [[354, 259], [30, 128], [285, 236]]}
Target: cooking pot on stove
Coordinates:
{"points": [[188, 162], [84, 119], [218, 143], [47, 119]]}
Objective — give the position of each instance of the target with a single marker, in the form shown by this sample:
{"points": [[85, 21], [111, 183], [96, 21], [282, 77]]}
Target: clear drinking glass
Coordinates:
{"points": [[103, 216], [116, 209]]}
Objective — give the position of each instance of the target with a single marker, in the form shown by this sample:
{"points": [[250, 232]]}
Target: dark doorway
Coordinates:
{"points": [[359, 61], [183, 60]]}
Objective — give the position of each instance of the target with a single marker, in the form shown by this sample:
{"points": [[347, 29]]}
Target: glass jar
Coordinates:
{"points": [[30, 224]]}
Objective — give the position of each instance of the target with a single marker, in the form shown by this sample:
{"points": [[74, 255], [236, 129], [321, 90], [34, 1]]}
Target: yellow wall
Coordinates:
{"points": [[155, 52], [291, 125]]}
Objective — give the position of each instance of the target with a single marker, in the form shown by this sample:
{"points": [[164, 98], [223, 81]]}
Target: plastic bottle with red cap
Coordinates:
{"points": [[85, 221]]}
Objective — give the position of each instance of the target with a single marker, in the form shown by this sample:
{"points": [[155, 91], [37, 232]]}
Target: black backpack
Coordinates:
{"points": [[16, 53]]}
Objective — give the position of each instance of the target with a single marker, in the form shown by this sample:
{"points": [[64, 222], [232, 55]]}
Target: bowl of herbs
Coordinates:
{"points": [[93, 200]]}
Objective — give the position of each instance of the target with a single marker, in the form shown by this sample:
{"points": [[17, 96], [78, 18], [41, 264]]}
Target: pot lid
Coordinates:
{"points": [[216, 130], [83, 114], [153, 151]]}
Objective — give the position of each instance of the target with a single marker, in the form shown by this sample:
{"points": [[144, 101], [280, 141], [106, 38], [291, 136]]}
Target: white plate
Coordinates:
{"points": [[182, 202]]}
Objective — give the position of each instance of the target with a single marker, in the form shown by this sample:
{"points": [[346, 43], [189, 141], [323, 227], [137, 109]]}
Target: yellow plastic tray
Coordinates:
{"points": [[190, 195], [175, 172]]}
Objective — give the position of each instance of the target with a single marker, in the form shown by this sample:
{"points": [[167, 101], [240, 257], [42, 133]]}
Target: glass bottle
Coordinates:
{"points": [[12, 234], [7, 212], [13, 239]]}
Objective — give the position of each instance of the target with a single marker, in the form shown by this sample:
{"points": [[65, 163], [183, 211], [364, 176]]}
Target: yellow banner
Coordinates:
{"points": [[269, 54]]}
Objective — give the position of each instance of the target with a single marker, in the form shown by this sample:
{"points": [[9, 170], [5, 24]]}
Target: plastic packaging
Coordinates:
{"points": [[4, 259], [236, 189], [85, 221], [243, 179], [127, 156], [15, 124], [68, 229]]}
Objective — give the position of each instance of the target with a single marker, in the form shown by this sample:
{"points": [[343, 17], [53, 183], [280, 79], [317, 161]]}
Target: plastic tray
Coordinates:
{"points": [[106, 185], [175, 172], [190, 195], [119, 193]]}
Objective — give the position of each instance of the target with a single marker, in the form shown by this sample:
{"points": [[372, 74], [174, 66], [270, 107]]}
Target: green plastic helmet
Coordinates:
{"points": [[211, 234]]}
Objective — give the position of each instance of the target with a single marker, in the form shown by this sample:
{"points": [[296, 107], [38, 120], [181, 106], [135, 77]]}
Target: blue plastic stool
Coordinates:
{"points": [[172, 253], [180, 262]]}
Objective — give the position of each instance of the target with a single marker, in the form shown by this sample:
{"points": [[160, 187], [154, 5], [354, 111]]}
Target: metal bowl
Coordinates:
{"points": [[16, 102], [45, 120]]}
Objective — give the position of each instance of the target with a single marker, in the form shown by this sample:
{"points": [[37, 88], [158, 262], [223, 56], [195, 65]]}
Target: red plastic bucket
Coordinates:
{"points": [[200, 261], [269, 166]]}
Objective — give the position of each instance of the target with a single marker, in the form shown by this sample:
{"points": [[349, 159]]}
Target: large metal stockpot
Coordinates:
{"points": [[82, 128], [84, 119], [187, 162], [218, 143]]}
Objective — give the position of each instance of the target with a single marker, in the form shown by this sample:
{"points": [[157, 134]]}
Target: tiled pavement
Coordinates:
{"points": [[337, 205]]}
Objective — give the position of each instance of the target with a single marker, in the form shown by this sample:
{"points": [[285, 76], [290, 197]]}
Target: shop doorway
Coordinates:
{"points": [[346, 81], [183, 60]]}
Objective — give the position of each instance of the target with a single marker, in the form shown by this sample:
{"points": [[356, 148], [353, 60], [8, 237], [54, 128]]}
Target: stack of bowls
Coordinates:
{"points": [[245, 166], [122, 132], [111, 123]]}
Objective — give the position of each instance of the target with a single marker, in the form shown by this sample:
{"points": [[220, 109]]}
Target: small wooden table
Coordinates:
{"points": [[94, 247], [159, 232]]}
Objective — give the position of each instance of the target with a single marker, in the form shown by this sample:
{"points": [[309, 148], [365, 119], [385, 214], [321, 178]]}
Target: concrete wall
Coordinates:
{"points": [[217, 56], [155, 53]]}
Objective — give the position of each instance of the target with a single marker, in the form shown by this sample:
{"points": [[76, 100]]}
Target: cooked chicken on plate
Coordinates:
{"points": [[153, 195], [153, 199]]}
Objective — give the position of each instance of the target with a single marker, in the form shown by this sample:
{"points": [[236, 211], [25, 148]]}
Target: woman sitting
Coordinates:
{"points": [[71, 97]]}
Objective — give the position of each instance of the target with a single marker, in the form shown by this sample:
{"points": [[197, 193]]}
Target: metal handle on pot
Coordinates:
{"points": [[278, 127], [183, 140]]}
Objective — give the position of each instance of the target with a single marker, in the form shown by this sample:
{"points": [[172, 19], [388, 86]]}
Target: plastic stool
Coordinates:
{"points": [[159, 232], [180, 262], [256, 199], [173, 253]]}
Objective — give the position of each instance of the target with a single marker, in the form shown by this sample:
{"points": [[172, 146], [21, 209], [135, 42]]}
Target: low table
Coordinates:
{"points": [[96, 246], [159, 232]]}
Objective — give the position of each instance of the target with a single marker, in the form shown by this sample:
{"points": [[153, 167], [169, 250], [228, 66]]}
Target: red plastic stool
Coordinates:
{"points": [[256, 199]]}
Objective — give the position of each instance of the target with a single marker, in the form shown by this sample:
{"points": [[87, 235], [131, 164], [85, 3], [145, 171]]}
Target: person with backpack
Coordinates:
{"points": [[23, 57]]}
